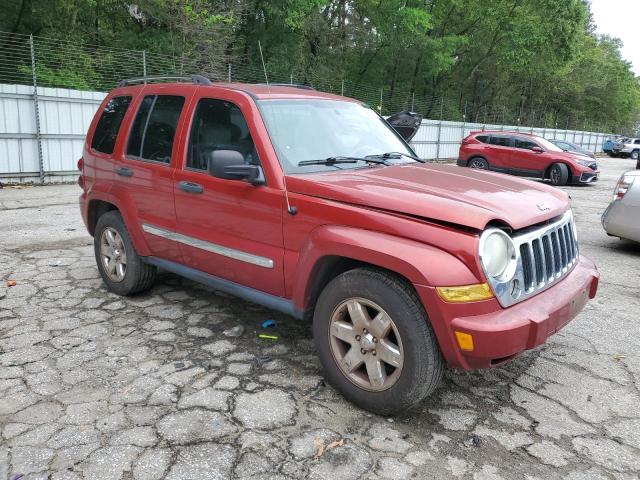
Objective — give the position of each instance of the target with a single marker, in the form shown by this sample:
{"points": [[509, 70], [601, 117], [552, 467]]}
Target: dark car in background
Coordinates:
{"points": [[525, 155], [572, 147]]}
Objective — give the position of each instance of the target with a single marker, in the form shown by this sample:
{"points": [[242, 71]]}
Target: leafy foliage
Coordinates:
{"points": [[526, 61]]}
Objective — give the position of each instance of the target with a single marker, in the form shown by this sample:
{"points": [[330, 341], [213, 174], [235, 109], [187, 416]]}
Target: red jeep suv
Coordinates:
{"points": [[313, 205], [525, 155]]}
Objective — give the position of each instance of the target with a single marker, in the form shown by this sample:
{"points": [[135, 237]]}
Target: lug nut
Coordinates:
{"points": [[375, 340], [358, 337], [373, 352], [363, 351], [364, 330]]}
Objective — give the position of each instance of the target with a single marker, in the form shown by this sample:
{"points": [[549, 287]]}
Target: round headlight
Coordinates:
{"points": [[497, 254]]}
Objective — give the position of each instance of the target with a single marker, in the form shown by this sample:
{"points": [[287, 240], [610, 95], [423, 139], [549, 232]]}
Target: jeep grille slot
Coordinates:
{"points": [[545, 255]]}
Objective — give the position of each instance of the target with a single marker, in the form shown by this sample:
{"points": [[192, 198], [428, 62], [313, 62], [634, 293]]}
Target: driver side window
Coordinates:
{"points": [[218, 125]]}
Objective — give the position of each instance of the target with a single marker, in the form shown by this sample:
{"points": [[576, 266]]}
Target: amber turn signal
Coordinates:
{"points": [[465, 341], [465, 293]]}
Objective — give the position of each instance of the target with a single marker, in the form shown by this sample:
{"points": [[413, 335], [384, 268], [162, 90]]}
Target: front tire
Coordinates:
{"points": [[375, 341], [635, 155], [120, 266], [559, 174]]}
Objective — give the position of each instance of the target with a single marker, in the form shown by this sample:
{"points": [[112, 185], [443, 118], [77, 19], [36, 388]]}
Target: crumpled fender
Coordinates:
{"points": [[420, 263]]}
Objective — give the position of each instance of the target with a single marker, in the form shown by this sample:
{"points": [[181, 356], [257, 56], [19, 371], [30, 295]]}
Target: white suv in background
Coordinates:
{"points": [[628, 148]]}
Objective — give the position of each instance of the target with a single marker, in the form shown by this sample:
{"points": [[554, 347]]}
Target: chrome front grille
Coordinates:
{"points": [[547, 256], [544, 255]]}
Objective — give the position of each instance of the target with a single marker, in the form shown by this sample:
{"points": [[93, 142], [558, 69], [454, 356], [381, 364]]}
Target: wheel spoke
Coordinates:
{"points": [[375, 372], [388, 353], [110, 237], [343, 331], [359, 315], [111, 265], [380, 325], [120, 269], [352, 360]]}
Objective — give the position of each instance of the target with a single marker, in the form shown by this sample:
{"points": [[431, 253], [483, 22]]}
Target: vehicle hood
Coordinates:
{"points": [[444, 193]]}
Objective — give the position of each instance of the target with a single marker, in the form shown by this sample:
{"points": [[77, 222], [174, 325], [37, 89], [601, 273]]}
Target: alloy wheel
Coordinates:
{"points": [[113, 254], [365, 344], [477, 164]]}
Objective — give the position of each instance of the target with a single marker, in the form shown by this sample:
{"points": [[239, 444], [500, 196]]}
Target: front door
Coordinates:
{"points": [[525, 161], [227, 228]]}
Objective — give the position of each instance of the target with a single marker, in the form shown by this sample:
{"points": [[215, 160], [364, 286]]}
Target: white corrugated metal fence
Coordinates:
{"points": [[64, 117]]}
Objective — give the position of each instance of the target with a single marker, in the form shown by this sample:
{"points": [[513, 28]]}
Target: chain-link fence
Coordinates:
{"points": [[64, 64]]}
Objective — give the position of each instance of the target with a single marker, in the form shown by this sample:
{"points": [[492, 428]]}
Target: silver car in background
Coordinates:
{"points": [[622, 216]]}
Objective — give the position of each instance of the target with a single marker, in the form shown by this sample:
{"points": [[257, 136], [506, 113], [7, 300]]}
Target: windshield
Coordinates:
{"points": [[547, 145], [306, 130]]}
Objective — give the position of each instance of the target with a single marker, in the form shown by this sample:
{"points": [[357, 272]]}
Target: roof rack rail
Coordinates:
{"points": [[197, 79], [292, 85]]}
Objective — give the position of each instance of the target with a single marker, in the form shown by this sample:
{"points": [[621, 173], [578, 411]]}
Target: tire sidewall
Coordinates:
{"points": [[409, 386], [114, 220]]}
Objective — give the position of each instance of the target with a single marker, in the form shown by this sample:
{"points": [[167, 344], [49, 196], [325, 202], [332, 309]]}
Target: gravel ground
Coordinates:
{"points": [[101, 387]]}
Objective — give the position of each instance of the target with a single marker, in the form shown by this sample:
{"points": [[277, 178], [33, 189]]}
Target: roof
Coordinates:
{"points": [[504, 132], [256, 90]]}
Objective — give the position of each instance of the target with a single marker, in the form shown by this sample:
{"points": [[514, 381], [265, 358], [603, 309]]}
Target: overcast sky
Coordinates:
{"points": [[620, 19]]}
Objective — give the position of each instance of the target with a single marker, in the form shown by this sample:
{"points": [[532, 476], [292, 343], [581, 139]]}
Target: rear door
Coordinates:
{"points": [[228, 228], [146, 170], [499, 151]]}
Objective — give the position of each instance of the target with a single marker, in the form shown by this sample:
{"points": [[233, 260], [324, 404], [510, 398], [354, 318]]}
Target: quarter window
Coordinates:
{"points": [[155, 127], [483, 138], [523, 143], [106, 133], [501, 141], [218, 125]]}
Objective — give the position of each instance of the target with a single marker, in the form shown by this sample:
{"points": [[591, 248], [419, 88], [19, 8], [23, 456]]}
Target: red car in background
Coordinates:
{"points": [[525, 155]]}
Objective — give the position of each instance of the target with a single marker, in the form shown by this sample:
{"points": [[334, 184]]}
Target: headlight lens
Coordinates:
{"points": [[498, 255]]}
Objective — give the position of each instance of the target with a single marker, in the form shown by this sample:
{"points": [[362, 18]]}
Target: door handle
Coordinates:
{"points": [[124, 171], [191, 187]]}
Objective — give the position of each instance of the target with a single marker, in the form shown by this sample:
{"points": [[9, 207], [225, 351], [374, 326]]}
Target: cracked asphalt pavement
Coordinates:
{"points": [[97, 386]]}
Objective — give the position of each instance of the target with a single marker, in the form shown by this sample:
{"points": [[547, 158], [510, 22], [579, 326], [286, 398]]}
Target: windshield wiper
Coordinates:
{"points": [[337, 160], [388, 155]]}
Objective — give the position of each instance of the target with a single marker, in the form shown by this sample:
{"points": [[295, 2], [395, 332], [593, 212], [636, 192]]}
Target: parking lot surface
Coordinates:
{"points": [[97, 386]]}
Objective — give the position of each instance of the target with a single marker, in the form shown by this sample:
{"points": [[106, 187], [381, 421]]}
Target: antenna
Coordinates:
{"points": [[291, 210], [264, 68]]}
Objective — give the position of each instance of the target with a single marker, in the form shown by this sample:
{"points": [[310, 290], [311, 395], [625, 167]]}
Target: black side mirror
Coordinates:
{"points": [[229, 165], [537, 150]]}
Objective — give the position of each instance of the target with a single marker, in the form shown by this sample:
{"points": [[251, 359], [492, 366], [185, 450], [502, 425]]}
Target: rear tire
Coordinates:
{"points": [[559, 174], [478, 163], [357, 365], [120, 266]]}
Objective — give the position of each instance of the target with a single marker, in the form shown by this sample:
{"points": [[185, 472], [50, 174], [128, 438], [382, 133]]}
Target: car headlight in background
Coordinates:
{"points": [[584, 163], [498, 255]]}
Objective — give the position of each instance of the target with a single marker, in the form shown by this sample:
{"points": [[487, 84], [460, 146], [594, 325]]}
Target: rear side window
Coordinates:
{"points": [[524, 143], [500, 140], [106, 133], [155, 127], [483, 138]]}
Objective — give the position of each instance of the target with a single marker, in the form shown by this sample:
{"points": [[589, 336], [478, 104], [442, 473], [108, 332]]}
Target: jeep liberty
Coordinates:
{"points": [[313, 205]]}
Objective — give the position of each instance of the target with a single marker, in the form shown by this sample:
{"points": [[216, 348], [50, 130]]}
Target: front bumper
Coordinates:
{"points": [[501, 334], [587, 177]]}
